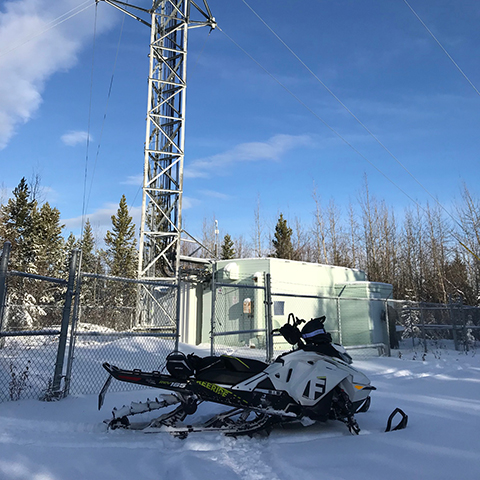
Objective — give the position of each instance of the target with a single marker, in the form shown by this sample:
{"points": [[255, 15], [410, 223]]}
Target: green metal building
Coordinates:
{"points": [[355, 308]]}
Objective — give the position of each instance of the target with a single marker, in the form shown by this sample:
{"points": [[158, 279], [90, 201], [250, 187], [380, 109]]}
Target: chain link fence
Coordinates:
{"points": [[55, 334], [432, 327], [245, 314], [125, 322], [34, 310]]}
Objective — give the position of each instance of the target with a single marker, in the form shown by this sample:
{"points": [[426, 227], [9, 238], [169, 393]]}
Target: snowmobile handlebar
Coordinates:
{"points": [[290, 331], [295, 320], [291, 320]]}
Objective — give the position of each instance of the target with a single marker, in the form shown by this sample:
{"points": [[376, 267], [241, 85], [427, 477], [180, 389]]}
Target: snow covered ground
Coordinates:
{"points": [[441, 394]]}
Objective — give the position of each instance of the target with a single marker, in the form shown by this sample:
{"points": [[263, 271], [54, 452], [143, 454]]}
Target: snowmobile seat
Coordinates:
{"points": [[226, 369], [240, 364], [323, 348]]}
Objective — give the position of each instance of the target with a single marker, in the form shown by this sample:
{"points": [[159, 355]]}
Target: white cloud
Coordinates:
{"points": [[101, 220], [74, 137], [271, 150], [189, 202], [214, 194], [136, 180], [30, 52]]}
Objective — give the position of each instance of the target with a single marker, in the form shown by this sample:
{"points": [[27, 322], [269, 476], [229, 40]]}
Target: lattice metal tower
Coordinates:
{"points": [[161, 224]]}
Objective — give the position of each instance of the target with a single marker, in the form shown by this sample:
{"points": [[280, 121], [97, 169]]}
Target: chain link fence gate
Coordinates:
{"points": [[241, 319], [129, 323], [244, 314]]}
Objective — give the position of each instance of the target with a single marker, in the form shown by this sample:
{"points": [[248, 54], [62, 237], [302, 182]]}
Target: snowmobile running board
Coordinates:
{"points": [[225, 423], [234, 422]]}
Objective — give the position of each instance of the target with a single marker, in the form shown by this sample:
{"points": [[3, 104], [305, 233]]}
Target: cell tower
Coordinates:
{"points": [[161, 224]]}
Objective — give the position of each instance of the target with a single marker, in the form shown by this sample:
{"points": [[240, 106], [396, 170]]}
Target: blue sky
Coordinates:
{"points": [[246, 136]]}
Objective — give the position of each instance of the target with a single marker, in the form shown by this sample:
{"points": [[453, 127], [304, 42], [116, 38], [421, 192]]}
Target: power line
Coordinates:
{"points": [[339, 135], [347, 109], [52, 24], [360, 122], [350, 145], [106, 110], [87, 147], [442, 47]]}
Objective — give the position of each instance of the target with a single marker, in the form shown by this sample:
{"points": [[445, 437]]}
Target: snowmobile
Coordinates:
{"points": [[313, 382]]}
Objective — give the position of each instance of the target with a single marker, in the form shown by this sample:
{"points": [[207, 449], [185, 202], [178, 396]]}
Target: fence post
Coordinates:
{"points": [[339, 321], [177, 314], [422, 317], [268, 317], [453, 322], [464, 324], [57, 377], [212, 320], [389, 333], [7, 246], [73, 329]]}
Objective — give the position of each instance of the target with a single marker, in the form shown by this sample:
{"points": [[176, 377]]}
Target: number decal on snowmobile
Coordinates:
{"points": [[178, 385]]}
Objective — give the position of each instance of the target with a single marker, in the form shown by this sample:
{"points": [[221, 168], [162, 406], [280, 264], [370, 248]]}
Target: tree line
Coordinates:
{"points": [[38, 246], [428, 255], [422, 252]]}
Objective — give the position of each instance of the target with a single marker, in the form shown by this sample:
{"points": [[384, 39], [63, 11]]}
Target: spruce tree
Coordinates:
{"points": [[18, 215], [19, 226], [2, 217], [227, 248], [282, 241], [48, 237], [121, 253], [49, 246], [121, 258], [92, 290], [87, 244], [70, 244]]}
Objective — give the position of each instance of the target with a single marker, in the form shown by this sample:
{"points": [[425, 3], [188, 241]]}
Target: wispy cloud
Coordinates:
{"points": [[220, 164], [74, 137], [189, 202], [135, 180], [214, 194], [32, 50], [101, 220]]}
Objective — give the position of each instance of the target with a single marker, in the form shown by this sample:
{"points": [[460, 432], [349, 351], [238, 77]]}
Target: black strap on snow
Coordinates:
{"points": [[402, 424]]}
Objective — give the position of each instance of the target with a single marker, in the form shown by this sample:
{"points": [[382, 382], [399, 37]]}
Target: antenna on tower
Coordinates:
{"points": [[216, 238]]}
